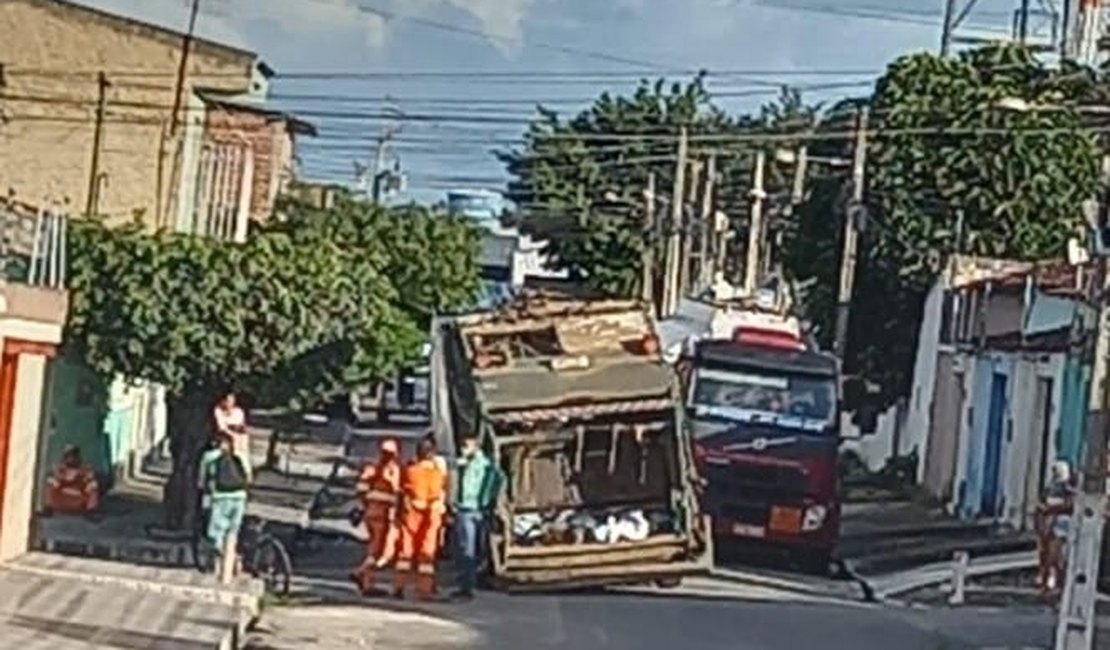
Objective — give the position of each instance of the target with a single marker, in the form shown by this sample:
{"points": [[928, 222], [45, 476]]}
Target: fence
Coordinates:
{"points": [[33, 244]]}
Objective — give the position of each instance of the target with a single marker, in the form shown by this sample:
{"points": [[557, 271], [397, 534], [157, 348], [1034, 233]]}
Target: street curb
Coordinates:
{"points": [[854, 590]]}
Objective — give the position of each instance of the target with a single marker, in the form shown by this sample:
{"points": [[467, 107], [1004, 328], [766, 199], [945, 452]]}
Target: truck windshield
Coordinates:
{"points": [[794, 401]]}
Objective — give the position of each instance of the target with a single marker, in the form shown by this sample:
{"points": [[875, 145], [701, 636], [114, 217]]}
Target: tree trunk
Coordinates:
{"points": [[190, 422]]}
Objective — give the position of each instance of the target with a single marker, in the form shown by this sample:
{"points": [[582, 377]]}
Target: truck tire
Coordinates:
{"points": [[669, 583]]}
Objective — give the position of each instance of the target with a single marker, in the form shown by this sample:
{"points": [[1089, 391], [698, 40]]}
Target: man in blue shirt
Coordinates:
{"points": [[478, 482]]}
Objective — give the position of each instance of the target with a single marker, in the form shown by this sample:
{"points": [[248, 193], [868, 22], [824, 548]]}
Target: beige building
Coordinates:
{"points": [[87, 100], [32, 314]]}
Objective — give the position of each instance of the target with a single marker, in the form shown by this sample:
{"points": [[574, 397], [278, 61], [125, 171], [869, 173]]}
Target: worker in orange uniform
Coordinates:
{"points": [[72, 488], [379, 490], [423, 509]]}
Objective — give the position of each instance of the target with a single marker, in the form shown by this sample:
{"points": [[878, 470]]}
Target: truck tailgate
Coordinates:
{"points": [[580, 565]]}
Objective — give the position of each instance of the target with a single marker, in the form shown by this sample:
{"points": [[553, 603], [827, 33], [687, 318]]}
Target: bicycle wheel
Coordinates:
{"points": [[270, 563]]}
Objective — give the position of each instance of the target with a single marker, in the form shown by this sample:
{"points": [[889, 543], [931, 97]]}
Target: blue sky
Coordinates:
{"points": [[606, 44]]}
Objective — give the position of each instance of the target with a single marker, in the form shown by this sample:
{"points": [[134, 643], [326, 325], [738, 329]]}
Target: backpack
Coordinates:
{"points": [[229, 475]]}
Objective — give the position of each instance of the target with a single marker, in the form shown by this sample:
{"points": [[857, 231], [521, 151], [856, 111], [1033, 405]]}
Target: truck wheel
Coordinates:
{"points": [[669, 583]]}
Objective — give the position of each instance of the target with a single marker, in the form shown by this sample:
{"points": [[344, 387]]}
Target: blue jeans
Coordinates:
{"points": [[469, 525]]}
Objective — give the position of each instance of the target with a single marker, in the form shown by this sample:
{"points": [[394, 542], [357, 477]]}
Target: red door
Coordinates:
{"points": [[9, 364]]}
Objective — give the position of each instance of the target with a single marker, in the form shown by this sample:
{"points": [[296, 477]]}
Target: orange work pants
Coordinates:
{"points": [[379, 547], [420, 540]]}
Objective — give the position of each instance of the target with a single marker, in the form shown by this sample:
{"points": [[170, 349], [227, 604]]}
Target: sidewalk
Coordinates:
{"points": [[889, 537], [63, 603]]}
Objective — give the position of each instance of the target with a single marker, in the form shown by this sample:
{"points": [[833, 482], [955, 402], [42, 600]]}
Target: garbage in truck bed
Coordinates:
{"points": [[570, 526]]}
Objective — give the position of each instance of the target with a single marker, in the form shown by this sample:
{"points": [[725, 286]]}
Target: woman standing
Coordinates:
{"points": [[1053, 524]]}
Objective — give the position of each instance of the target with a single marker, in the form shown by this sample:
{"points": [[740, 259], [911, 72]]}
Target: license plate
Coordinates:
{"points": [[786, 520], [746, 530]]}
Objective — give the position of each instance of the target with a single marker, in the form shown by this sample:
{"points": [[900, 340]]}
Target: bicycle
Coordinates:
{"points": [[262, 553]]}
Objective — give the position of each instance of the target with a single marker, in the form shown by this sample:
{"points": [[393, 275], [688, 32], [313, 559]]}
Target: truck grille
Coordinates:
{"points": [[748, 480]]}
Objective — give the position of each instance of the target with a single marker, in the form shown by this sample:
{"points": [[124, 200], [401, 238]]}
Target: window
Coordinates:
{"points": [[790, 400]]}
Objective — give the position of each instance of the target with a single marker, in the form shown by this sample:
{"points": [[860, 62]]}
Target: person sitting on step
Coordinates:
{"points": [[72, 488]]}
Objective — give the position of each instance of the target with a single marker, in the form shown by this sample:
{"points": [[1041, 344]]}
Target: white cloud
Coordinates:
{"points": [[230, 21], [503, 20]]}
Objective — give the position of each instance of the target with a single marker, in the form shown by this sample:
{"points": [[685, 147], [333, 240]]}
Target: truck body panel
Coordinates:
{"points": [[584, 420]]}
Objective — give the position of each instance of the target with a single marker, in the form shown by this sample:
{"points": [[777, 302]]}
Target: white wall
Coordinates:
{"points": [[874, 450], [1023, 450], [23, 452], [919, 408]]}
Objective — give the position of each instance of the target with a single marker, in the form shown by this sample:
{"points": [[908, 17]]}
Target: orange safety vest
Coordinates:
{"points": [[379, 486], [426, 486]]}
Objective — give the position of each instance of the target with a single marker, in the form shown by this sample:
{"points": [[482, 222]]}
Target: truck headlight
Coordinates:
{"points": [[814, 518]]}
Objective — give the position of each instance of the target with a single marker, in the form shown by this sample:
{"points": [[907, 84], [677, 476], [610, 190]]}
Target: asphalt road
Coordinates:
{"points": [[705, 614]]}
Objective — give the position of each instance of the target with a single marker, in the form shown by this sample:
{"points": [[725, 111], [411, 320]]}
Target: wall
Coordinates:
{"points": [[946, 421], [22, 477], [111, 422], [1073, 417], [1022, 451], [918, 415], [1005, 313], [270, 143], [1018, 481], [47, 140]]}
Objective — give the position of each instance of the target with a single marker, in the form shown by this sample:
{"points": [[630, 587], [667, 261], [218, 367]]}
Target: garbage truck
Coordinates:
{"points": [[575, 405]]}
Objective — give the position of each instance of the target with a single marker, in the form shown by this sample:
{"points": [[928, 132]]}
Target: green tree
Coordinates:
{"points": [[297, 313], [566, 169], [950, 169]]}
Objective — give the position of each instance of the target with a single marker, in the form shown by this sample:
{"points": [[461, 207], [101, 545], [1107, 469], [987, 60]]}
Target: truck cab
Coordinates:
{"points": [[763, 412]]}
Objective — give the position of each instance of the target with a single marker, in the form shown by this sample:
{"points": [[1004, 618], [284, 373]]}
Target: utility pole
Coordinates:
{"points": [[647, 255], [755, 225], [1075, 627], [707, 226], [851, 235], [183, 65], [1023, 22], [684, 275], [948, 27], [92, 199], [674, 236], [381, 173]]}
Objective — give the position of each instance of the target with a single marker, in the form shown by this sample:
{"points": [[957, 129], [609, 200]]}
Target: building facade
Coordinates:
{"points": [[89, 99], [998, 393], [33, 309]]}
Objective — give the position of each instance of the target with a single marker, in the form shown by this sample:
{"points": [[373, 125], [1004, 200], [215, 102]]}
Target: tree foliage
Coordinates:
{"points": [[949, 143], [568, 169], [946, 160], [320, 303]]}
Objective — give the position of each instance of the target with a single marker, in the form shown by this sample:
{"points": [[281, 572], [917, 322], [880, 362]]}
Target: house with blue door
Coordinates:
{"points": [[997, 395]]}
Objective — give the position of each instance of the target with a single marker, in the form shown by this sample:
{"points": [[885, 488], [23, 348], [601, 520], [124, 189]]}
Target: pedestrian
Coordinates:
{"points": [[379, 490], [1053, 525], [478, 481], [423, 506], [225, 480], [231, 421], [72, 487], [441, 461]]}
